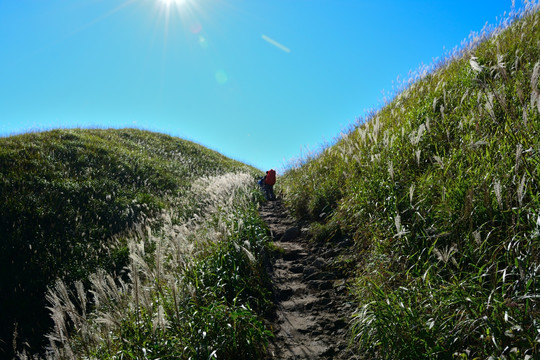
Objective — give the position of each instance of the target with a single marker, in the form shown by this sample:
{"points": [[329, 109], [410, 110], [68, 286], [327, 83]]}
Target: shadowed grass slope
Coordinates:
{"points": [[65, 194], [440, 191]]}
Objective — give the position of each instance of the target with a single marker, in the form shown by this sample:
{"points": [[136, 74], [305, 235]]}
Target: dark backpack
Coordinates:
{"points": [[270, 177]]}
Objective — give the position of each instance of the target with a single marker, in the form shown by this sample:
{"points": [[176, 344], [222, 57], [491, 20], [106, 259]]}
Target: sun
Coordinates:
{"points": [[172, 2], [183, 12], [169, 5]]}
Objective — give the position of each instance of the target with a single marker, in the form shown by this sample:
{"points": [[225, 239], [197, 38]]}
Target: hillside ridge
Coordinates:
{"points": [[438, 190], [69, 199]]}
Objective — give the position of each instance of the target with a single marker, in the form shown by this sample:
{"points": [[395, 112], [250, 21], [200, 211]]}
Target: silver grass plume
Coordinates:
{"points": [[416, 135], [445, 254], [439, 161], [519, 151], [498, 191], [489, 106], [159, 322], [501, 66], [417, 155], [535, 94], [399, 227], [521, 190], [475, 65], [397, 222], [477, 237]]}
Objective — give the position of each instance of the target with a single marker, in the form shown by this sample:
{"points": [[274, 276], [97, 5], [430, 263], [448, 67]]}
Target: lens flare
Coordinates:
{"points": [[221, 77]]}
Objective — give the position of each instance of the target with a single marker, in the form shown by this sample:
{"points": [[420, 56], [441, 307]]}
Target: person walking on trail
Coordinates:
{"points": [[261, 183], [269, 181]]}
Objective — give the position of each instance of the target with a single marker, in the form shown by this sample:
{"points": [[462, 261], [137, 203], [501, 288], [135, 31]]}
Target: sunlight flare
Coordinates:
{"points": [[276, 44], [184, 10], [178, 5], [172, 2], [180, 13]]}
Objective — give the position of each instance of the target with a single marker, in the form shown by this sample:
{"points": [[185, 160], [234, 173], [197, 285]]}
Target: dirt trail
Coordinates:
{"points": [[312, 311]]}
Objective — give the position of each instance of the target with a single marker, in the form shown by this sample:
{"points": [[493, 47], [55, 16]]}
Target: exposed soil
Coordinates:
{"points": [[312, 308]]}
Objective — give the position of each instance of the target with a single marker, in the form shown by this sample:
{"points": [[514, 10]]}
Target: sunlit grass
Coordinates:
{"points": [[194, 287], [441, 198]]}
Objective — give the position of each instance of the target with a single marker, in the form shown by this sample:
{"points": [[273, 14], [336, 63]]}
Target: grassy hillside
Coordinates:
{"points": [[440, 191], [195, 287], [68, 199]]}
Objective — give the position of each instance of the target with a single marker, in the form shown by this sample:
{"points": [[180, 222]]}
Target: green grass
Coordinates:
{"points": [[439, 190], [68, 199], [194, 291]]}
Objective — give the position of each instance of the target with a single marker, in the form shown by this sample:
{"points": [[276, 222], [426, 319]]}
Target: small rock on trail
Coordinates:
{"points": [[312, 308]]}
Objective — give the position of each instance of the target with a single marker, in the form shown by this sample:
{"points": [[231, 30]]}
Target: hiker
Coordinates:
{"points": [[269, 181], [261, 182], [262, 185]]}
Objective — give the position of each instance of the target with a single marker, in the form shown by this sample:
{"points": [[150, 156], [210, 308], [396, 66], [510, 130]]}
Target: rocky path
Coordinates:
{"points": [[312, 311]]}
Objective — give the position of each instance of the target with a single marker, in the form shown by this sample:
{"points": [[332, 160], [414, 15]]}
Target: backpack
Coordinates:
{"points": [[271, 177]]}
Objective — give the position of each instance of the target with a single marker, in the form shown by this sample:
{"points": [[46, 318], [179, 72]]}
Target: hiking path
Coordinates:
{"points": [[312, 309]]}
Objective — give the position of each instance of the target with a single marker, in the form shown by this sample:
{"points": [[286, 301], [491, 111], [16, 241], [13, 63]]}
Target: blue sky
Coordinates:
{"points": [[261, 81]]}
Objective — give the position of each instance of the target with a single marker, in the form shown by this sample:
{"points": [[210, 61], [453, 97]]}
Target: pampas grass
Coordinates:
{"points": [[152, 300], [445, 214]]}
